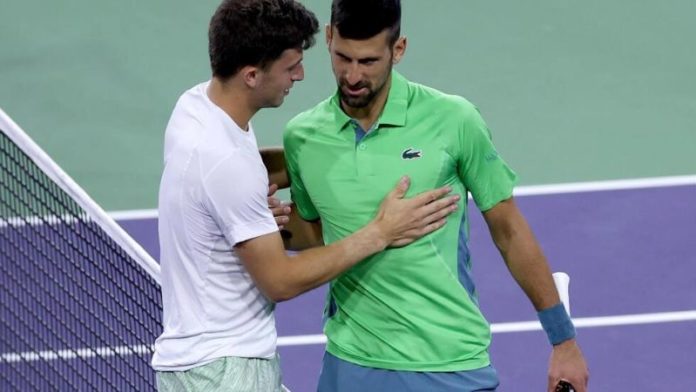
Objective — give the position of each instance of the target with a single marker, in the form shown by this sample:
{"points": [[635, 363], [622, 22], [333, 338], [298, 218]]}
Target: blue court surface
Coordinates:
{"points": [[628, 247]]}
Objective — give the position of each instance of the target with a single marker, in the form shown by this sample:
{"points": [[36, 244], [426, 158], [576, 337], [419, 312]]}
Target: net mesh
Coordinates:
{"points": [[76, 311]]}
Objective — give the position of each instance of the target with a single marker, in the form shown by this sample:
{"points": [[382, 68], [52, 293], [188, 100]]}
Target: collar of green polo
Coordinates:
{"points": [[394, 112]]}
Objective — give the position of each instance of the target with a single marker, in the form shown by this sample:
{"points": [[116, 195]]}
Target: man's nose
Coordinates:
{"points": [[299, 74], [353, 74]]}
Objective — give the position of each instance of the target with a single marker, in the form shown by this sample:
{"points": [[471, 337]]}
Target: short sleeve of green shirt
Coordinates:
{"points": [[484, 173], [298, 192]]}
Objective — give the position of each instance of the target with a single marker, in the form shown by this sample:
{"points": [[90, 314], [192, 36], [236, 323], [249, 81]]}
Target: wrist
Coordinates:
{"points": [[377, 236], [557, 324], [565, 345]]}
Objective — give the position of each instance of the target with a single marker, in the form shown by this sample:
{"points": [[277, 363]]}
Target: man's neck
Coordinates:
{"points": [[367, 116], [232, 101]]}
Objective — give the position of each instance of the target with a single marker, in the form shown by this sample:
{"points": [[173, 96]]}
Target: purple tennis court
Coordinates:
{"points": [[565, 87], [633, 291]]}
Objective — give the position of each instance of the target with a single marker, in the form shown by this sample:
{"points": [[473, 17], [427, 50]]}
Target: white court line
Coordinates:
{"points": [[304, 340], [531, 190], [48, 355], [34, 220], [525, 326], [133, 214], [612, 185]]}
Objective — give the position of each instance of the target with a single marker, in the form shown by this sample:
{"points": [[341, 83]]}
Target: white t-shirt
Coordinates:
{"points": [[213, 195]]}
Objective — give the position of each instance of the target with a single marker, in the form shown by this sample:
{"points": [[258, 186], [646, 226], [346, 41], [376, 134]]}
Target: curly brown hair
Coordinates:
{"points": [[257, 32]]}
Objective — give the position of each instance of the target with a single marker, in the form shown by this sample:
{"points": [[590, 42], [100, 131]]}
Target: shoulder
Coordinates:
{"points": [[445, 103], [191, 112], [197, 127], [455, 115], [185, 126], [318, 114], [192, 101], [309, 121]]}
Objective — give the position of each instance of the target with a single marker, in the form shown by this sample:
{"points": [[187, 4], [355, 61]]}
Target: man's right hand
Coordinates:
{"points": [[399, 222], [402, 221]]}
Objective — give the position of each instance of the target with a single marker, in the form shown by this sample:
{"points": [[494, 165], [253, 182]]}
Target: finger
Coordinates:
{"points": [[555, 385], [272, 189], [440, 213], [430, 227], [578, 384], [281, 210], [281, 220], [400, 190], [443, 204], [432, 195], [274, 202], [424, 229], [412, 235]]}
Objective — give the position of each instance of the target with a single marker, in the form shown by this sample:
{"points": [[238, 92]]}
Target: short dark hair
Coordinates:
{"points": [[257, 32], [363, 19]]}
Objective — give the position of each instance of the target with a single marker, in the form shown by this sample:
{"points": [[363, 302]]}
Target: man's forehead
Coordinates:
{"points": [[290, 56], [376, 43]]}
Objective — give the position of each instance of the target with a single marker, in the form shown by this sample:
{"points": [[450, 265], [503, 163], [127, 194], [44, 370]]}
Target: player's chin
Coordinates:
{"points": [[275, 103], [281, 98], [356, 101]]}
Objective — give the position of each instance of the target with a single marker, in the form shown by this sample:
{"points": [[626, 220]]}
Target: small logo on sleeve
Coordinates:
{"points": [[491, 156], [410, 153]]}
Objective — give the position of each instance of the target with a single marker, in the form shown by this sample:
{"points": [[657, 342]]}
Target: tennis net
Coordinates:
{"points": [[80, 304]]}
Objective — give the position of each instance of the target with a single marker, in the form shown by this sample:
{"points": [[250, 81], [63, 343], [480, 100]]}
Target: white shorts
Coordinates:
{"points": [[229, 374]]}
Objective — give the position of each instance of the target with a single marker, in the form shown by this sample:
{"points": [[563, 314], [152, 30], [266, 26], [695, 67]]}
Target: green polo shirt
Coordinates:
{"points": [[411, 308]]}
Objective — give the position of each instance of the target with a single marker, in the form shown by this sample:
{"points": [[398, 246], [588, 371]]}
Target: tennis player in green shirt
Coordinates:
{"points": [[407, 319]]}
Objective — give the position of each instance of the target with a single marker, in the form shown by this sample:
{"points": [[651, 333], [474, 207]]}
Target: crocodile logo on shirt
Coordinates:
{"points": [[410, 153]]}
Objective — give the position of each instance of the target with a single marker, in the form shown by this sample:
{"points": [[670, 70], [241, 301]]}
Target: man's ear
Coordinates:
{"points": [[399, 49], [250, 75], [328, 32]]}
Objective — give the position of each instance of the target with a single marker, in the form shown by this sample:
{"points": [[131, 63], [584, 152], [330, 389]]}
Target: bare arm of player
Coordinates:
{"points": [[274, 160], [399, 222], [529, 267], [297, 233]]}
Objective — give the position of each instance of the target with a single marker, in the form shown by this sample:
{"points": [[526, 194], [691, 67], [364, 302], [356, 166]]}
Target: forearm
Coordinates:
{"points": [[313, 267], [274, 160], [302, 234], [522, 254], [398, 222], [529, 268]]}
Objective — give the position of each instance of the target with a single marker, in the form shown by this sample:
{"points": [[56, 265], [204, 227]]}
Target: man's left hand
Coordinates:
{"points": [[281, 211], [568, 364]]}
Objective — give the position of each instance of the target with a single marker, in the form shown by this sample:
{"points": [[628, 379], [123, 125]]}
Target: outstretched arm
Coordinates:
{"points": [[529, 267], [398, 222]]}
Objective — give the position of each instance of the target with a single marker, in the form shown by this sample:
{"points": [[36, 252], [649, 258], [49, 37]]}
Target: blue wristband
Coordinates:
{"points": [[557, 324]]}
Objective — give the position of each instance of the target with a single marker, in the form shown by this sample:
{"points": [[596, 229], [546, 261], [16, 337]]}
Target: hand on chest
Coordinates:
{"points": [[352, 174]]}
